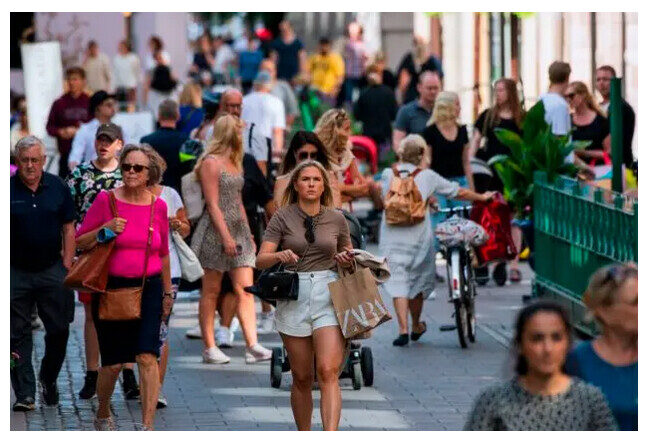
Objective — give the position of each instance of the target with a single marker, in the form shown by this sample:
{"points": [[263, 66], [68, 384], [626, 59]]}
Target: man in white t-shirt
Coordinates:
{"points": [[266, 112], [557, 109]]}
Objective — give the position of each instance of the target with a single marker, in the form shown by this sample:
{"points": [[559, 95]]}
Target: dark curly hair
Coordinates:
{"points": [[301, 138]]}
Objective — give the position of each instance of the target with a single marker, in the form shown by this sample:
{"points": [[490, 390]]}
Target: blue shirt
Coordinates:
{"points": [[618, 383], [288, 65], [190, 118], [249, 64], [412, 118]]}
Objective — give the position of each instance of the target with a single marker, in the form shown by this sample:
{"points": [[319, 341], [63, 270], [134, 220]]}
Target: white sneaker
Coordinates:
{"points": [[214, 355], [225, 337], [234, 326], [258, 353], [266, 323]]}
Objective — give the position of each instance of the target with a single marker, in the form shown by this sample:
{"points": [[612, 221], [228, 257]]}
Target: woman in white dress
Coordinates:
{"points": [[410, 249]]}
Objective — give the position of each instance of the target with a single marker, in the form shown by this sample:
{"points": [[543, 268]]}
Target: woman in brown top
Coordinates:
{"points": [[312, 237]]}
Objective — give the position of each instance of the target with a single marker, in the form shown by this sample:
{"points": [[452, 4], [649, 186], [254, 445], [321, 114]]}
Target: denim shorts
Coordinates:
{"points": [[314, 308]]}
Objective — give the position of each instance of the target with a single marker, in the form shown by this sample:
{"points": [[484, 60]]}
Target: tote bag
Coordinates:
{"points": [[189, 263]]}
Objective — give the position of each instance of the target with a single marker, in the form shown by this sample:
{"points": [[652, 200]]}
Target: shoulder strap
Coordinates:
{"points": [[415, 172], [252, 126], [112, 204], [153, 199], [394, 168]]}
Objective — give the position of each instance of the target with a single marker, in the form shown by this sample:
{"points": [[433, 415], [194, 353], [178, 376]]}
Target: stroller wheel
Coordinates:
{"points": [[277, 359], [357, 376], [367, 366], [482, 275], [500, 274]]}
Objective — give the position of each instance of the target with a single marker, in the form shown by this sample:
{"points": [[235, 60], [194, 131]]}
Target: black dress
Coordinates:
{"points": [[596, 131], [447, 158]]}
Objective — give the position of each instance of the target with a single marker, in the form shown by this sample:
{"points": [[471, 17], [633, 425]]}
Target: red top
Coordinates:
{"points": [[67, 111], [127, 258]]}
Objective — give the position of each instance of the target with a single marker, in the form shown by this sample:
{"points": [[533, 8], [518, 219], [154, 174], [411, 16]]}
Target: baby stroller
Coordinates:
{"points": [[358, 365]]}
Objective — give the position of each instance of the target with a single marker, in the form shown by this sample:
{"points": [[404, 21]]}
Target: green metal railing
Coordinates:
{"points": [[578, 228]]}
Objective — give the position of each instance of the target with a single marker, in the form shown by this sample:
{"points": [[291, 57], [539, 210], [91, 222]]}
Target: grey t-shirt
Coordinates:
{"points": [[284, 92], [412, 118], [286, 229]]}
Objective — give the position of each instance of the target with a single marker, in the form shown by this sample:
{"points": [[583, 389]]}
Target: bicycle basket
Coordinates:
{"points": [[457, 230]]}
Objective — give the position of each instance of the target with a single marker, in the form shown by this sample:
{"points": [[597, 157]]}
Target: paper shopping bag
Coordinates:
{"points": [[357, 302]]}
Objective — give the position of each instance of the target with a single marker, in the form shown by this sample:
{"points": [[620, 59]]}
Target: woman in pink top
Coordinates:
{"points": [[128, 341]]}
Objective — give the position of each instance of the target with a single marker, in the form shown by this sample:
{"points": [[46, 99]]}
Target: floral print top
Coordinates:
{"points": [[86, 181]]}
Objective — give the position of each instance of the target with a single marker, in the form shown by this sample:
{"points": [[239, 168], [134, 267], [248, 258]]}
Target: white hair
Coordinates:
{"points": [[27, 143]]}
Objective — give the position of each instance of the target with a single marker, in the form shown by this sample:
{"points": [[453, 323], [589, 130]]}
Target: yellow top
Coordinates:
{"points": [[326, 71]]}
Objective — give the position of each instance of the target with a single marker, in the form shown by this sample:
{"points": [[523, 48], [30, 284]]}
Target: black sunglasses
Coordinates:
{"points": [[127, 167], [309, 227], [307, 155]]}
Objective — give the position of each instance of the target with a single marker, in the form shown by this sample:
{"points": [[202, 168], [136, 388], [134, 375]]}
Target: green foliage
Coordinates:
{"points": [[537, 150]]}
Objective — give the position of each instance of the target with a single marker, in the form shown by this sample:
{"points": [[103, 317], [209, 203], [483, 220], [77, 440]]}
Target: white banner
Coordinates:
{"points": [[134, 125]]}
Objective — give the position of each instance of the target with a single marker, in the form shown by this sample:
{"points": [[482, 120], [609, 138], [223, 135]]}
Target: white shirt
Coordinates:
{"points": [[557, 113], [98, 73], [83, 148], [265, 110], [223, 57], [126, 70], [254, 143], [173, 203]]}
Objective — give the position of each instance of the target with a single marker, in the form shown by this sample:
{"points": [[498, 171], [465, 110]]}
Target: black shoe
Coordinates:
{"points": [[26, 404], [130, 387], [402, 340], [416, 335], [89, 388], [50, 393], [500, 274]]}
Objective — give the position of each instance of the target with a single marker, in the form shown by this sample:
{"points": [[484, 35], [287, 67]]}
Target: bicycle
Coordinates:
{"points": [[461, 282]]}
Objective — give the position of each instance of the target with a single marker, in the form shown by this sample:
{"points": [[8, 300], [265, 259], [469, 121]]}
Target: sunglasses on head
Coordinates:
{"points": [[309, 227], [307, 155], [127, 167]]}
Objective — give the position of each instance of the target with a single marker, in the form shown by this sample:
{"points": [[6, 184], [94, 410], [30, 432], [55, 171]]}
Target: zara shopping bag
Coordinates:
{"points": [[357, 302]]}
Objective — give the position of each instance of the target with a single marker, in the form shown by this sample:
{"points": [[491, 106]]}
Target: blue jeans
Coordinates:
{"points": [[445, 202]]}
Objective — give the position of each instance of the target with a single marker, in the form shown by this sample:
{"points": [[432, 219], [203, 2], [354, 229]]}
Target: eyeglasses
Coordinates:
{"points": [[127, 167], [309, 227], [307, 155]]}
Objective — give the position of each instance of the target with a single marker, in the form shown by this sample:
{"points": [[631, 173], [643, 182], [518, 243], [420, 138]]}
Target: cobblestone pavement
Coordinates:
{"points": [[428, 385]]}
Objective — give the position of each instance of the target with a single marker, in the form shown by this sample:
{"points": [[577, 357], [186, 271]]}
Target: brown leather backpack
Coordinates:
{"points": [[403, 204]]}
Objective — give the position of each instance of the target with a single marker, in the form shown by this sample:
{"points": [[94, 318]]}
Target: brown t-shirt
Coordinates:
{"points": [[287, 230]]}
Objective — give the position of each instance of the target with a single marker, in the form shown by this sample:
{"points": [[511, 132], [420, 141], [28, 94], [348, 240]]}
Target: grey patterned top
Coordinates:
{"points": [[509, 406]]}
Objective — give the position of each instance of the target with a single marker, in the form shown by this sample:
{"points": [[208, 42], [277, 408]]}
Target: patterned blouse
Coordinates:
{"points": [[86, 181], [509, 406]]}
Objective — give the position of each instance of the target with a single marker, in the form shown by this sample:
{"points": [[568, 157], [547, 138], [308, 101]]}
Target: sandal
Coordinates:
{"points": [[402, 340], [515, 275], [416, 335]]}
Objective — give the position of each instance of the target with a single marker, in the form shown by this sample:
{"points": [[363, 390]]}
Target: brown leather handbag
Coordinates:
{"points": [[124, 304], [90, 269]]}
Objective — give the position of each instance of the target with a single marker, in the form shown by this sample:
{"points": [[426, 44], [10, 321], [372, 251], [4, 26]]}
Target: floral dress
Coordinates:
{"points": [[86, 181]]}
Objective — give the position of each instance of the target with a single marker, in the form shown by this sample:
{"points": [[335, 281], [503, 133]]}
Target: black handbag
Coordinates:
{"points": [[275, 284]]}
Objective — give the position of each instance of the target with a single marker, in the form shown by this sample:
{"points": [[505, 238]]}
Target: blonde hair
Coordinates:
{"points": [[444, 110], [580, 88], [413, 149], [226, 139], [605, 283], [191, 95], [290, 195], [327, 131]]}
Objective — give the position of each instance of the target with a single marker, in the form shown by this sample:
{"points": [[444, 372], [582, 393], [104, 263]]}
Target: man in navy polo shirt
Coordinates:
{"points": [[42, 246]]}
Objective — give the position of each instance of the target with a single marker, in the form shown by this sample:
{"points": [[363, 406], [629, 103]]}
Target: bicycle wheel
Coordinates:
{"points": [[461, 322], [470, 321]]}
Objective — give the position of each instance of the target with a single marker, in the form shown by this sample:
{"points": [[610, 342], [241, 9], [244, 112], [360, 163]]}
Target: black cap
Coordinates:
{"points": [[98, 98], [110, 130]]}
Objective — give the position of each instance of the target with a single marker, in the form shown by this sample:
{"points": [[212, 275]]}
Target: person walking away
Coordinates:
{"points": [[42, 246], [155, 50], [222, 240], [541, 396], [162, 84], [354, 56], [412, 66], [85, 183], [589, 124], [409, 248], [167, 141], [312, 238], [610, 360], [102, 106], [132, 340], [67, 114], [334, 130], [304, 146], [327, 71], [506, 112], [266, 111], [413, 116], [376, 108], [191, 113], [288, 52], [127, 74], [604, 75], [282, 90], [97, 68], [224, 61], [249, 61], [178, 222]]}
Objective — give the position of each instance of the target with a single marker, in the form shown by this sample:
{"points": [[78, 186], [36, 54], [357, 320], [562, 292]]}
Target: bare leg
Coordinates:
{"points": [[329, 346], [401, 306], [91, 348], [375, 192], [149, 386], [415, 309], [107, 376], [211, 288], [242, 277], [517, 237], [301, 357], [163, 362], [228, 308]]}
